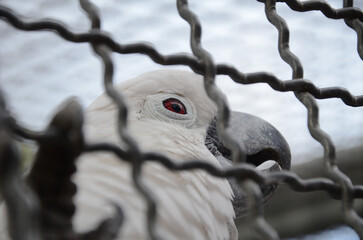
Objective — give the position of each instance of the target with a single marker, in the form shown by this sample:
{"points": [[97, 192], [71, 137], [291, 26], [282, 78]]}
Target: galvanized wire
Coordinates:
{"points": [[350, 215], [337, 185]]}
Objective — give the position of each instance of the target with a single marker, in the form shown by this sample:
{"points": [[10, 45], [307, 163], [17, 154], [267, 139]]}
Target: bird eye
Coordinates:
{"points": [[171, 108], [175, 105]]}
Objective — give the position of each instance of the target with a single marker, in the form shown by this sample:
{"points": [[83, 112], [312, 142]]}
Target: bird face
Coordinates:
{"points": [[178, 99], [170, 112]]}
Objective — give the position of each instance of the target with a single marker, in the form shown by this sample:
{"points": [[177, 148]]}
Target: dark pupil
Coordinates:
{"points": [[176, 107]]}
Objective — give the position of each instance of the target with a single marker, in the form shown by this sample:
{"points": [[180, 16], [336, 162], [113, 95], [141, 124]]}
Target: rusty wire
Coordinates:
{"points": [[337, 185]]}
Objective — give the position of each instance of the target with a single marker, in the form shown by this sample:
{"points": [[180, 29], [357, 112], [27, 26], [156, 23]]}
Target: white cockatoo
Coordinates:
{"points": [[170, 113]]}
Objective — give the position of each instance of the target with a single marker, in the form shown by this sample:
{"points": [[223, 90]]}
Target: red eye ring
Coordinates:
{"points": [[175, 105]]}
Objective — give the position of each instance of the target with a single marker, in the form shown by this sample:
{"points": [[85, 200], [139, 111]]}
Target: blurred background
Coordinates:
{"points": [[39, 70]]}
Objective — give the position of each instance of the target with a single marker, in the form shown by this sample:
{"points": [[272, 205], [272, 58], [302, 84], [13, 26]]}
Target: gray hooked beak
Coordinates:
{"points": [[265, 147]]}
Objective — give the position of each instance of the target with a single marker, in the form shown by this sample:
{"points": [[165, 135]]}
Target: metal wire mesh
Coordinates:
{"points": [[25, 207]]}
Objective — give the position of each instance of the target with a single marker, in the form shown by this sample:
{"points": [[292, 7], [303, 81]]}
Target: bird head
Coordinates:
{"points": [[171, 113]]}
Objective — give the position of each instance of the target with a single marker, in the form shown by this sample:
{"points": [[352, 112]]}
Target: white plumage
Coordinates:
{"points": [[190, 204]]}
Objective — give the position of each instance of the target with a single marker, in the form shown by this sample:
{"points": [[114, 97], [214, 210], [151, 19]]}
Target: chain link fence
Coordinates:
{"points": [[63, 140]]}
